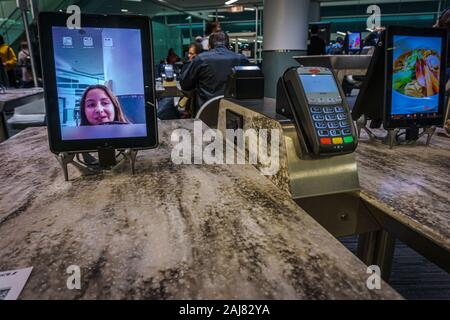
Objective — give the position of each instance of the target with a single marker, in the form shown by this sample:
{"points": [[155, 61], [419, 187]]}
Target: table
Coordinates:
{"points": [[14, 98], [411, 185], [404, 192], [168, 232], [168, 91]]}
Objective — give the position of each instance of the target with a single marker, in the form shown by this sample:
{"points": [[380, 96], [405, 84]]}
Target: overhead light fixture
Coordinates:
{"points": [[249, 9], [214, 16], [341, 33], [230, 2], [124, 10], [190, 17]]}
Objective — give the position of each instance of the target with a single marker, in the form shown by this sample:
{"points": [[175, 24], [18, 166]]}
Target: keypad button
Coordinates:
{"points": [[348, 139], [323, 133], [344, 124], [325, 140], [339, 109], [346, 132], [328, 110], [333, 125], [318, 117], [341, 116], [338, 140], [320, 125], [316, 110], [330, 117], [335, 132]]}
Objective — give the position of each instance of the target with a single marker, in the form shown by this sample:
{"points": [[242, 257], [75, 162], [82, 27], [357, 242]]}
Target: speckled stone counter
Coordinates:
{"points": [[413, 182], [168, 232]]}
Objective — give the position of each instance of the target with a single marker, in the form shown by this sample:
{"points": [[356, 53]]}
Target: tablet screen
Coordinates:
{"points": [[319, 83], [354, 41], [416, 76], [100, 85]]}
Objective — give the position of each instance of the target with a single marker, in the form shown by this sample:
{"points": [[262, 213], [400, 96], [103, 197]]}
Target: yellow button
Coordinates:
{"points": [[338, 141]]}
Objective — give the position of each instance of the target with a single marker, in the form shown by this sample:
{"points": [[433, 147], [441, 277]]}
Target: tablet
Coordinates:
{"points": [[354, 41], [98, 82], [415, 77]]}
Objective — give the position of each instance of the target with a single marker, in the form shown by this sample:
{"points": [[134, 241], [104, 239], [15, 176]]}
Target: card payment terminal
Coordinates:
{"points": [[313, 99]]}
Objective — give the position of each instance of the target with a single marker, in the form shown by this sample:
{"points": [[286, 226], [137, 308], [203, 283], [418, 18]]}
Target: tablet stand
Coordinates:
{"points": [[107, 160], [392, 137]]}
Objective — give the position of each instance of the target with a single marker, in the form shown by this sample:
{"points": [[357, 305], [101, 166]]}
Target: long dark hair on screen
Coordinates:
{"points": [[119, 115]]}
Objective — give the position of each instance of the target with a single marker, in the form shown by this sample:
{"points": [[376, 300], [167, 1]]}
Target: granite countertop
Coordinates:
{"points": [[12, 94], [413, 181], [168, 232]]}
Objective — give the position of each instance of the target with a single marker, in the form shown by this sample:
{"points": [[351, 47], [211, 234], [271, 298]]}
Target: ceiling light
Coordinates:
{"points": [[230, 1], [214, 16], [124, 10], [249, 9]]}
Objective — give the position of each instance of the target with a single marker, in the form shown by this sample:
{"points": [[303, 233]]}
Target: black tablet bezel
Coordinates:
{"points": [[47, 20], [411, 31]]}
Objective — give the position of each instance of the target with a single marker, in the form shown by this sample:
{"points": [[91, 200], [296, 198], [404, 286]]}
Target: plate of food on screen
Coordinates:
{"points": [[416, 73]]}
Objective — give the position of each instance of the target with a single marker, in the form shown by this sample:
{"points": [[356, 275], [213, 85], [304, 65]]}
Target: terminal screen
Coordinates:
{"points": [[415, 79], [323, 83], [100, 84], [354, 41]]}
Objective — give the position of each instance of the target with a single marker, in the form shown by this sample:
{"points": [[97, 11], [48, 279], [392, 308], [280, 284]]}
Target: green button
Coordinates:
{"points": [[348, 139]]}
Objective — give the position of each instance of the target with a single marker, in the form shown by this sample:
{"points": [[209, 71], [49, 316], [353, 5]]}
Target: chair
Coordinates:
{"points": [[29, 115], [209, 112]]}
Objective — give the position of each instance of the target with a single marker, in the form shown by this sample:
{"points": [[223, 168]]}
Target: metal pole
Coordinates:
{"points": [[256, 37], [30, 48]]}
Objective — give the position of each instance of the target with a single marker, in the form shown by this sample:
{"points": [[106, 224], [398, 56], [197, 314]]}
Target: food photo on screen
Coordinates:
{"points": [[416, 72], [100, 93]]}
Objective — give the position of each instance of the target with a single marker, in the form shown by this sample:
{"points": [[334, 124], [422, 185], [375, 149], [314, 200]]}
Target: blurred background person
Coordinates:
{"points": [[207, 74], [9, 61], [172, 57], [24, 62], [195, 49], [317, 45], [211, 27], [338, 46]]}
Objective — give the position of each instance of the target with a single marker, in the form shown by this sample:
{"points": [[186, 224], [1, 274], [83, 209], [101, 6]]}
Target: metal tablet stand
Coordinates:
{"points": [[392, 136], [107, 160]]}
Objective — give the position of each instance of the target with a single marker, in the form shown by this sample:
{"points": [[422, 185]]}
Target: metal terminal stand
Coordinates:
{"points": [[107, 161]]}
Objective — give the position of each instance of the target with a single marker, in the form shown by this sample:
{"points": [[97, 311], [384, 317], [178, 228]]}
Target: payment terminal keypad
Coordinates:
{"points": [[332, 124]]}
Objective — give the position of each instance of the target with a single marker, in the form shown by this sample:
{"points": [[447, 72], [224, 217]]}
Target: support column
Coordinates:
{"points": [[314, 11], [285, 36]]}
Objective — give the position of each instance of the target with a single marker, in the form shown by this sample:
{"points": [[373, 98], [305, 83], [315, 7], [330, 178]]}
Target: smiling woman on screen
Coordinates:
{"points": [[99, 106]]}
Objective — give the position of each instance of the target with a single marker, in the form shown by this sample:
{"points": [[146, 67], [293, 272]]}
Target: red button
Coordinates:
{"points": [[325, 140]]}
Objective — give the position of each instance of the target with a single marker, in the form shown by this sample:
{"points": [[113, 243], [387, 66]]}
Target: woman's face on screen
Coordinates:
{"points": [[98, 107]]}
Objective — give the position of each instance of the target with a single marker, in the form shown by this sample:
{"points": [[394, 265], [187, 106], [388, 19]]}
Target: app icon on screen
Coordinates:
{"points": [[88, 41], [108, 42], [67, 41]]}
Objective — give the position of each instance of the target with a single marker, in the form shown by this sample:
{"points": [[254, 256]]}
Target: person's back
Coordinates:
{"points": [[317, 46], [208, 72]]}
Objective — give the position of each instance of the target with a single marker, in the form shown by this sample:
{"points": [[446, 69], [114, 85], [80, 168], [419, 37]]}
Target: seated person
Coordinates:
{"points": [[208, 72], [98, 105]]}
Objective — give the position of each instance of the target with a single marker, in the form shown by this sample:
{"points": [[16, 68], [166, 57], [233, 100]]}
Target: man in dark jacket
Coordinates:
{"points": [[208, 72], [317, 45]]}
